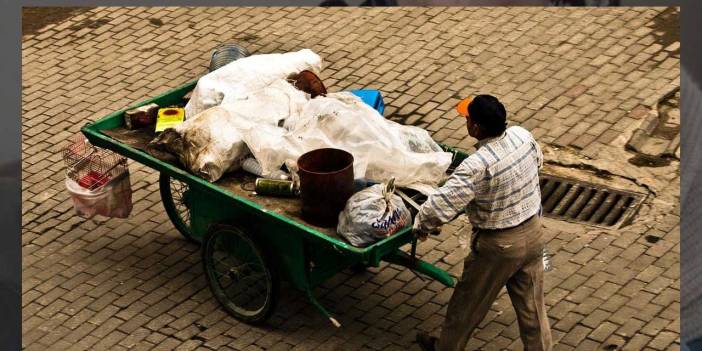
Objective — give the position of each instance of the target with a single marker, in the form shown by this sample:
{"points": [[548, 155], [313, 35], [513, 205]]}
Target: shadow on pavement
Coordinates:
{"points": [[35, 18]]}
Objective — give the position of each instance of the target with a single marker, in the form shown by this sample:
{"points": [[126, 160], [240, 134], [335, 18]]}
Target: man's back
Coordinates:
{"points": [[498, 185], [506, 183]]}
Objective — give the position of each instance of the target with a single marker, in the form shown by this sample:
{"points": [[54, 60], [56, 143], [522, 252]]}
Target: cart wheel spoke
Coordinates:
{"points": [[239, 274], [174, 195], [250, 277]]}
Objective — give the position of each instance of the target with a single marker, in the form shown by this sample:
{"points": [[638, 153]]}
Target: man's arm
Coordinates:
{"points": [[539, 154], [449, 200], [540, 162]]}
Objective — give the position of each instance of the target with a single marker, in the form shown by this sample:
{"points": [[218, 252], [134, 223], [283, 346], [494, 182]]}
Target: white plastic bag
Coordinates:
{"points": [[239, 78], [372, 214], [114, 199]]}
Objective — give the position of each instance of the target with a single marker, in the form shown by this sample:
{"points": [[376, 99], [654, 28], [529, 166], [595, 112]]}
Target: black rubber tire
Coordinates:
{"points": [[230, 255], [177, 209]]}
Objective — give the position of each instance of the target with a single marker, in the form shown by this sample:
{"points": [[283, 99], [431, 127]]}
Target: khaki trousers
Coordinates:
{"points": [[511, 257]]}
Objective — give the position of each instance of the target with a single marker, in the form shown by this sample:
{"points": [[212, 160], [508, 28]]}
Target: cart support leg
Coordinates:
{"points": [[321, 308], [413, 253], [404, 259]]}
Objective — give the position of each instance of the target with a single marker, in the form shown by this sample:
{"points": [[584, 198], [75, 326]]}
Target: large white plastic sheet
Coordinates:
{"points": [[236, 80], [248, 107], [382, 149]]}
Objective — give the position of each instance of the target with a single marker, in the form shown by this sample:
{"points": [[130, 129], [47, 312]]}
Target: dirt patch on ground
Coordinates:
{"points": [[35, 18]]}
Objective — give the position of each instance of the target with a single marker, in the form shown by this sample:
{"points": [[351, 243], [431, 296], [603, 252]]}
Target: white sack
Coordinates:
{"points": [[253, 98], [239, 78], [371, 215], [210, 143], [213, 144]]}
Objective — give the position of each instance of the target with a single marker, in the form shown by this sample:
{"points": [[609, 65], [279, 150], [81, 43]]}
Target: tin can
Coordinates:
{"points": [[275, 187], [547, 260], [226, 53]]}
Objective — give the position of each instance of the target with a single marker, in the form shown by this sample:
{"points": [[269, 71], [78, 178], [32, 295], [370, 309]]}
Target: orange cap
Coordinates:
{"points": [[462, 106]]}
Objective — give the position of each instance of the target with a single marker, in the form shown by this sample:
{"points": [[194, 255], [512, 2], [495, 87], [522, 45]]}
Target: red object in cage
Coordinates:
{"points": [[89, 166], [93, 180]]}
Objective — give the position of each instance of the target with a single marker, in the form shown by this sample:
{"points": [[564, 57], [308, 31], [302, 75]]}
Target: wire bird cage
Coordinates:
{"points": [[97, 179], [92, 167]]}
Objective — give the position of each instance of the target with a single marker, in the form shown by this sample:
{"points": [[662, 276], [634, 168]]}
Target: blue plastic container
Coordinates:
{"points": [[372, 98]]}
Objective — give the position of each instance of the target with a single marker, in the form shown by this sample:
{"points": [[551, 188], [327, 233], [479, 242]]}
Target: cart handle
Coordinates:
{"points": [[404, 259]]}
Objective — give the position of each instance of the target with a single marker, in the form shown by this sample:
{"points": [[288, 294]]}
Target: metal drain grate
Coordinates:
{"points": [[576, 201]]}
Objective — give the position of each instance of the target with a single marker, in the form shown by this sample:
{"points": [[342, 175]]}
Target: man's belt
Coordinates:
{"points": [[502, 229]]}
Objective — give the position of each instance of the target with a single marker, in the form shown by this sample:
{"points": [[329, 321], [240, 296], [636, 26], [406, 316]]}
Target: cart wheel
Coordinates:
{"points": [[173, 195], [240, 275]]}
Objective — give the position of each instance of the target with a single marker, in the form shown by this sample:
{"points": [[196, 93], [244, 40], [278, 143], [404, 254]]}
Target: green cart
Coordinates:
{"points": [[250, 242]]}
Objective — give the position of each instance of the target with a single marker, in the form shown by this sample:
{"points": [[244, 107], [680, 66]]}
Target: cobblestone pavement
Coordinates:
{"points": [[580, 79]]}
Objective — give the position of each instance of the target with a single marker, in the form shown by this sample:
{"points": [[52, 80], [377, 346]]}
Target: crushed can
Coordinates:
{"points": [[276, 187]]}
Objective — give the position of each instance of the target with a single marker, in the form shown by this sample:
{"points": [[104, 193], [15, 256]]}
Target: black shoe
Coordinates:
{"points": [[426, 342]]}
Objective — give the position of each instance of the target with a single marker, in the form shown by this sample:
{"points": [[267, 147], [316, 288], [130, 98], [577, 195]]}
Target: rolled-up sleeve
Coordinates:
{"points": [[449, 200]]}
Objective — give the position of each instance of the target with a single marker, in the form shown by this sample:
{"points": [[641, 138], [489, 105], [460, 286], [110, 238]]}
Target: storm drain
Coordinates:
{"points": [[576, 201]]}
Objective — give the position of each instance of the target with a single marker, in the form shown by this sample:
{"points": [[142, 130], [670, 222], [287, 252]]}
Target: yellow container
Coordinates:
{"points": [[169, 118]]}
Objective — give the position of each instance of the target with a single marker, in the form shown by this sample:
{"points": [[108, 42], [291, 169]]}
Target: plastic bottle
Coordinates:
{"points": [[252, 166]]}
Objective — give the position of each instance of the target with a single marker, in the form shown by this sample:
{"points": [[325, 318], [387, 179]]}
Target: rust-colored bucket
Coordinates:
{"points": [[326, 183]]}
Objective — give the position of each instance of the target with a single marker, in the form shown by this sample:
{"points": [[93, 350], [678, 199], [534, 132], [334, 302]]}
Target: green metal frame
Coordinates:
{"points": [[305, 256]]}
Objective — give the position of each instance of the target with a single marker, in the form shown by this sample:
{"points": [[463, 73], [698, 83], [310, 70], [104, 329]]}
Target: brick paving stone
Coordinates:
{"points": [[579, 79]]}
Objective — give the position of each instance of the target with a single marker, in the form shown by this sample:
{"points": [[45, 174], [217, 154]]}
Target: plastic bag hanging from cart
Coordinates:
{"points": [[97, 179]]}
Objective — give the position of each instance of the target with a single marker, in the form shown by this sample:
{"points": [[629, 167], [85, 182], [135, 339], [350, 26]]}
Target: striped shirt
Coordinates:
{"points": [[497, 186]]}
